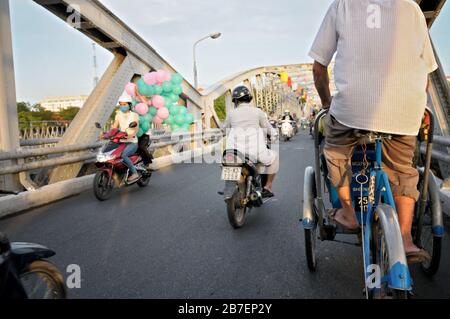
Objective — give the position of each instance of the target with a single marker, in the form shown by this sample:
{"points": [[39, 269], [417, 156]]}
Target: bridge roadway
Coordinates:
{"points": [[173, 240]]}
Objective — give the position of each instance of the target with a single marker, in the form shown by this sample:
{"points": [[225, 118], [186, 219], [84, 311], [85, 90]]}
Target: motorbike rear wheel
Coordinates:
{"points": [[103, 186], [43, 274], [143, 182], [235, 210]]}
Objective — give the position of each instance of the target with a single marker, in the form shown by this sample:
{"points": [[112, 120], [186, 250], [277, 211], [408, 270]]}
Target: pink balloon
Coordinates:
{"points": [[130, 88], [141, 108], [160, 76], [157, 120], [163, 113], [158, 101], [150, 78]]}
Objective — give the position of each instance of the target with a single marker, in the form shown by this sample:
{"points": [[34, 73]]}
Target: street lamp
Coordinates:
{"points": [[213, 36]]}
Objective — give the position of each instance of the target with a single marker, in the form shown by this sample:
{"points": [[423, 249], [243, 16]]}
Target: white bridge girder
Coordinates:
{"points": [[98, 108], [9, 132], [132, 55]]}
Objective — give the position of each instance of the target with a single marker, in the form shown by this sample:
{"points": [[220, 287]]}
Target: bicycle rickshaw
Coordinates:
{"points": [[386, 269]]}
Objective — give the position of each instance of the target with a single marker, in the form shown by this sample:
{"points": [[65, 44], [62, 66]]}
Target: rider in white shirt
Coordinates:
{"points": [[248, 128]]}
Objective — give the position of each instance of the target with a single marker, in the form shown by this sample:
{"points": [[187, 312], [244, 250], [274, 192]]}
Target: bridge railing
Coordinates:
{"points": [[158, 142]]}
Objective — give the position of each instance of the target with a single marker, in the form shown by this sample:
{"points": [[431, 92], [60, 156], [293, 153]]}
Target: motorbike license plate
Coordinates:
{"points": [[231, 173]]}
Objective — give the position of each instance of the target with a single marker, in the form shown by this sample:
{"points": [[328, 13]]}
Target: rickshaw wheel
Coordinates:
{"points": [[429, 242], [311, 234], [380, 257]]}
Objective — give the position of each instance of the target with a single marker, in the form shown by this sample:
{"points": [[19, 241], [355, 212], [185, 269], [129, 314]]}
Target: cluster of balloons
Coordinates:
{"points": [[155, 99]]}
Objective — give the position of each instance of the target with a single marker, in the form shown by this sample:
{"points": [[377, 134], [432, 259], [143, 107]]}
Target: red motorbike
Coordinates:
{"points": [[112, 171]]}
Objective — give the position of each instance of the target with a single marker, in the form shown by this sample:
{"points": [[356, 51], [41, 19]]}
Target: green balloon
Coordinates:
{"points": [[157, 90], [134, 102], [140, 133], [182, 110], [190, 118], [145, 126], [152, 111], [143, 88], [174, 110], [180, 119], [177, 79], [148, 117], [169, 120], [174, 98], [177, 90], [176, 128], [167, 87]]}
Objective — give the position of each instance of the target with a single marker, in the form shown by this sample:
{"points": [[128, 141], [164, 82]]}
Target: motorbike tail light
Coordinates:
{"points": [[232, 159]]}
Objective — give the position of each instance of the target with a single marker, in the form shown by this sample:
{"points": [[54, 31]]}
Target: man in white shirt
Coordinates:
{"points": [[384, 57], [249, 127]]}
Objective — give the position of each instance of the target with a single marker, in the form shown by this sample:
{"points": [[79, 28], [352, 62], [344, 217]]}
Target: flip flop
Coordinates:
{"points": [[340, 227], [417, 257], [267, 194]]}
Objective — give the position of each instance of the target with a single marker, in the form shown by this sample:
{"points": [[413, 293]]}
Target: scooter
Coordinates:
{"points": [[243, 186], [26, 274], [287, 130], [112, 171]]}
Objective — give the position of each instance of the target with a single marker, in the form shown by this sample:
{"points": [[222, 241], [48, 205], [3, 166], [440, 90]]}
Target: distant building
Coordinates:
{"points": [[56, 104]]}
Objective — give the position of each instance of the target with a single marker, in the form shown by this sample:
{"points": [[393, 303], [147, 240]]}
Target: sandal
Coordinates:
{"points": [[417, 257], [267, 194], [340, 227]]}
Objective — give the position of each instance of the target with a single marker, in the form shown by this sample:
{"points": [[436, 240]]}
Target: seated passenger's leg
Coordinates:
{"points": [[143, 144], [339, 145], [271, 172], [398, 154]]}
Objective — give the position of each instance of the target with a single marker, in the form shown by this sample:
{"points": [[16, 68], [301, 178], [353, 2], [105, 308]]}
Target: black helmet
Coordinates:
{"points": [[242, 94]]}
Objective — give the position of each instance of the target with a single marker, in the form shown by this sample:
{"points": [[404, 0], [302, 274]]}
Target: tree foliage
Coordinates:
{"points": [[36, 113], [219, 106]]}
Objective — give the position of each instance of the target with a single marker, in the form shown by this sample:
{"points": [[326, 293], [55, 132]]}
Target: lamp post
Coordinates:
{"points": [[213, 36]]}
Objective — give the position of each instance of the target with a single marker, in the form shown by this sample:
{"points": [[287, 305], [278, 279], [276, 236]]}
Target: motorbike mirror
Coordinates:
{"points": [[98, 125], [133, 125]]}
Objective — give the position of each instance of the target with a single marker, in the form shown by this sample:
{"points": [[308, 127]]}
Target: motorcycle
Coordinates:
{"points": [[287, 130], [243, 186], [112, 171], [26, 274], [305, 123]]}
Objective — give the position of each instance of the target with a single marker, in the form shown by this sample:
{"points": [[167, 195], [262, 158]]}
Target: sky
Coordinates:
{"points": [[52, 59]]}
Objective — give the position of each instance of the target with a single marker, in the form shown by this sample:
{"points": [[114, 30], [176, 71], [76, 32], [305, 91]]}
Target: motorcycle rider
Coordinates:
{"points": [[287, 116], [249, 127], [122, 121]]}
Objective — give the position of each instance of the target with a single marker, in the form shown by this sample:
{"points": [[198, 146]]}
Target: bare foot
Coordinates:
{"points": [[346, 218], [409, 246]]}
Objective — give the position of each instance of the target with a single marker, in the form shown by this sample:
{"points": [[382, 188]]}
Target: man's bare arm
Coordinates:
{"points": [[322, 83]]}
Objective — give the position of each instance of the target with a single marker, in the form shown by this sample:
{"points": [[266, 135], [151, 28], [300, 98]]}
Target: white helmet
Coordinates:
{"points": [[287, 112], [125, 98]]}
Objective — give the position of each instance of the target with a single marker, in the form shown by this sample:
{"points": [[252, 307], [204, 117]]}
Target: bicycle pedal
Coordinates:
{"points": [[328, 232]]}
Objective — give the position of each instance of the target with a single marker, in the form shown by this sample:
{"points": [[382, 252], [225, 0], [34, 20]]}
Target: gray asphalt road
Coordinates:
{"points": [[173, 240]]}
